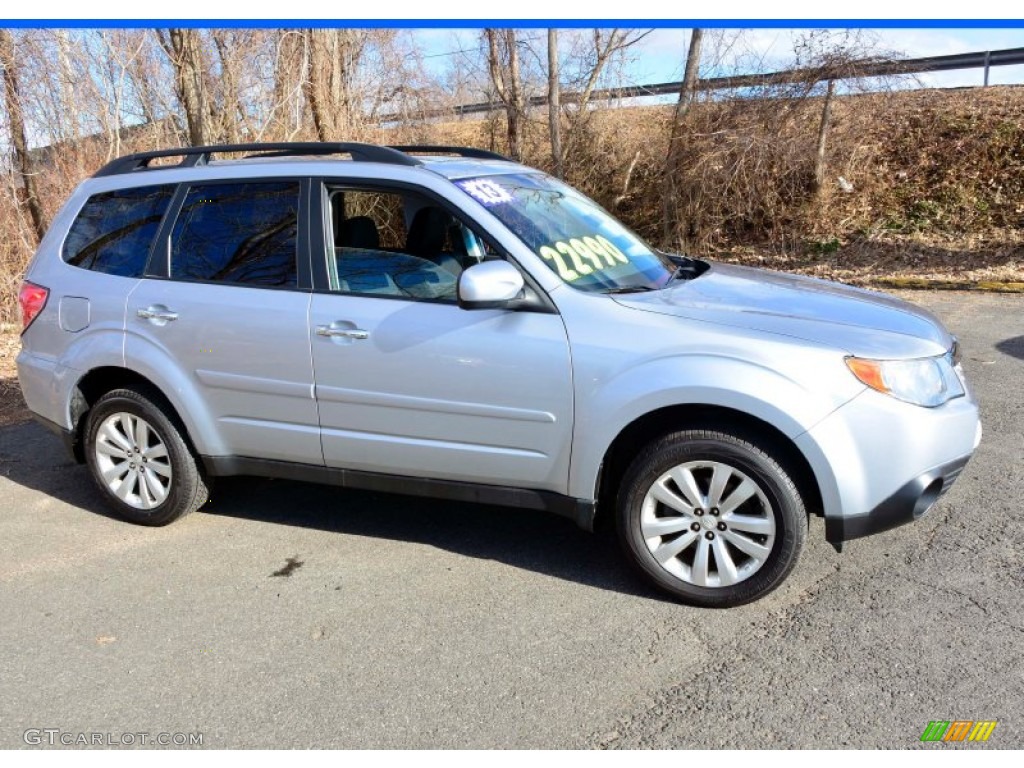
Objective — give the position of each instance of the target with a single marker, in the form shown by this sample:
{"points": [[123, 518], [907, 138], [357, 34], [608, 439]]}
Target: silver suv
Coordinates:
{"points": [[440, 321]]}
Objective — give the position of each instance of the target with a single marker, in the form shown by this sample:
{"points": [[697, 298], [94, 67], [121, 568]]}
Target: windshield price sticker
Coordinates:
{"points": [[581, 256], [486, 191]]}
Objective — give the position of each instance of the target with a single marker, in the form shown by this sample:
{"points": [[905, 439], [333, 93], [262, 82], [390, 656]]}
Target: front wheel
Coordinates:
{"points": [[711, 518]]}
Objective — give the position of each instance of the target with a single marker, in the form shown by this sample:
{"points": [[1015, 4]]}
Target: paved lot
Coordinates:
{"points": [[405, 623]]}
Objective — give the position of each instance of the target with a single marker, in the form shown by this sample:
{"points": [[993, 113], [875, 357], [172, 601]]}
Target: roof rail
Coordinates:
{"points": [[471, 152], [193, 156]]}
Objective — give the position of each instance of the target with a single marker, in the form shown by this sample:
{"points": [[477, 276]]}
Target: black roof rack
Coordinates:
{"points": [[471, 152], [193, 156]]}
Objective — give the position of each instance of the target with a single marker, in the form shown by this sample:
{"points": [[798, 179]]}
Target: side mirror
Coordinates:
{"points": [[489, 285]]}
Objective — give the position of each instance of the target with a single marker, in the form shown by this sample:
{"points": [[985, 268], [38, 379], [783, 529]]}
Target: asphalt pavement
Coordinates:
{"points": [[292, 615]]}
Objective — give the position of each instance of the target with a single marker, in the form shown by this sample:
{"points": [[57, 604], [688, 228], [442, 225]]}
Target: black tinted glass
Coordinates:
{"points": [[237, 233], [114, 231]]}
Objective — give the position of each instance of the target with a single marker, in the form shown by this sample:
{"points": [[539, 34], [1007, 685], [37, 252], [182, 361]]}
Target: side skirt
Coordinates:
{"points": [[579, 510]]}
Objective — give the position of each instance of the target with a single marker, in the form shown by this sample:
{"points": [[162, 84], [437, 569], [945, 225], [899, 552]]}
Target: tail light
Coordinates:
{"points": [[32, 299]]}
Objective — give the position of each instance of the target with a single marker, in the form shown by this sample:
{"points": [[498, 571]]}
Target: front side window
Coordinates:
{"points": [[114, 230], [578, 240], [238, 233], [398, 244]]}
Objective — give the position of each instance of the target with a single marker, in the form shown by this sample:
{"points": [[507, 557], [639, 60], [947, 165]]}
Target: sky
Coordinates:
{"points": [[659, 57]]}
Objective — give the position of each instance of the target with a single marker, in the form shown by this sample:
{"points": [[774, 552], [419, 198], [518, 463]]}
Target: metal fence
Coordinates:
{"points": [[848, 71]]}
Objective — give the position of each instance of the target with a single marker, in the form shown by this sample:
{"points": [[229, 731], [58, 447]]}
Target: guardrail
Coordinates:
{"points": [[850, 70]]}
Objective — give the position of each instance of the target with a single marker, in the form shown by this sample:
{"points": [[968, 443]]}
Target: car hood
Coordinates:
{"points": [[857, 321]]}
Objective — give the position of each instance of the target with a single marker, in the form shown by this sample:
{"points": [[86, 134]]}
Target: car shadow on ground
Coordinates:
{"points": [[1013, 347], [537, 541]]}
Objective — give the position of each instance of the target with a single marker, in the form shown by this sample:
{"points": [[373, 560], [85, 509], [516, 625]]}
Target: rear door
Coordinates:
{"points": [[227, 301]]}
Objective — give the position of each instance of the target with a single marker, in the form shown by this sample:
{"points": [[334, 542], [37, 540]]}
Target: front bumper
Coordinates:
{"points": [[880, 462], [908, 504]]}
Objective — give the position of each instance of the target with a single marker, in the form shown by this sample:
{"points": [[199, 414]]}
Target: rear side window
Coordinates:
{"points": [[238, 233], [114, 230]]}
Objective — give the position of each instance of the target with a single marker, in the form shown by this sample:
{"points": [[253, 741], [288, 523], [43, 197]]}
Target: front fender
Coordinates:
{"points": [[699, 379]]}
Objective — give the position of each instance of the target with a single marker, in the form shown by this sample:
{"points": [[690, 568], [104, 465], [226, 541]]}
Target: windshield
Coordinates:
{"points": [[578, 240]]}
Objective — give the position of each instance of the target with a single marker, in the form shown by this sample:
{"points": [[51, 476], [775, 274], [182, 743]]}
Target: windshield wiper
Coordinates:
{"points": [[630, 289], [685, 268], [678, 273]]}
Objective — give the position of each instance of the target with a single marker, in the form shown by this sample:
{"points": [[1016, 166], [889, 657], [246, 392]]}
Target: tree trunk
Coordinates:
{"points": [[503, 64], [673, 229], [291, 65], [16, 119], [318, 89], [823, 126], [231, 112], [184, 49], [554, 105], [517, 110], [135, 68], [70, 128], [333, 54]]}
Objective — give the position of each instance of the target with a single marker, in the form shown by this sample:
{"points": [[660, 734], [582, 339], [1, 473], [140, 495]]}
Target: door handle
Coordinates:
{"points": [[345, 333], [157, 313]]}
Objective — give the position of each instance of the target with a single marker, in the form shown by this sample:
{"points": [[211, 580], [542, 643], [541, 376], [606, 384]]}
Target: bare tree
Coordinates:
{"points": [[506, 79], [231, 116], [605, 45], [554, 103], [823, 126], [136, 70], [144, 76], [290, 71], [687, 91], [333, 83], [19, 140], [591, 56], [823, 56], [333, 58], [66, 85], [184, 47]]}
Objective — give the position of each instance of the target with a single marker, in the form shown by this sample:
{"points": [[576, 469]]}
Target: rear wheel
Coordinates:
{"points": [[711, 518], [138, 457]]}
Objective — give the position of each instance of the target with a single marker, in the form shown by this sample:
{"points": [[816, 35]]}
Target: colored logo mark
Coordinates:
{"points": [[958, 730]]}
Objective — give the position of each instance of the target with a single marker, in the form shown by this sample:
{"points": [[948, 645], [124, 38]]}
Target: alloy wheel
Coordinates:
{"points": [[132, 459], [708, 524]]}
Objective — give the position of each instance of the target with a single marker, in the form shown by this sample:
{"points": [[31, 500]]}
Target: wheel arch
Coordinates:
{"points": [[662, 421], [98, 381]]}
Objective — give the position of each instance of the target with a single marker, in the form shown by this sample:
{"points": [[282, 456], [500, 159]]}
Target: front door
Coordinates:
{"points": [[407, 383]]}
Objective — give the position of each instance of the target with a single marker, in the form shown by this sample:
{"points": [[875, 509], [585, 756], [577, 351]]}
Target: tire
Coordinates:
{"points": [[130, 433], [710, 518]]}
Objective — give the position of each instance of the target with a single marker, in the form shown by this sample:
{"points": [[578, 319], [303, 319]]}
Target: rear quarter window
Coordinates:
{"points": [[114, 230]]}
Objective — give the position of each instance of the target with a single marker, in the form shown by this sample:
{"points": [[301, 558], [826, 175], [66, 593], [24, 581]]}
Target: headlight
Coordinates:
{"points": [[928, 381]]}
